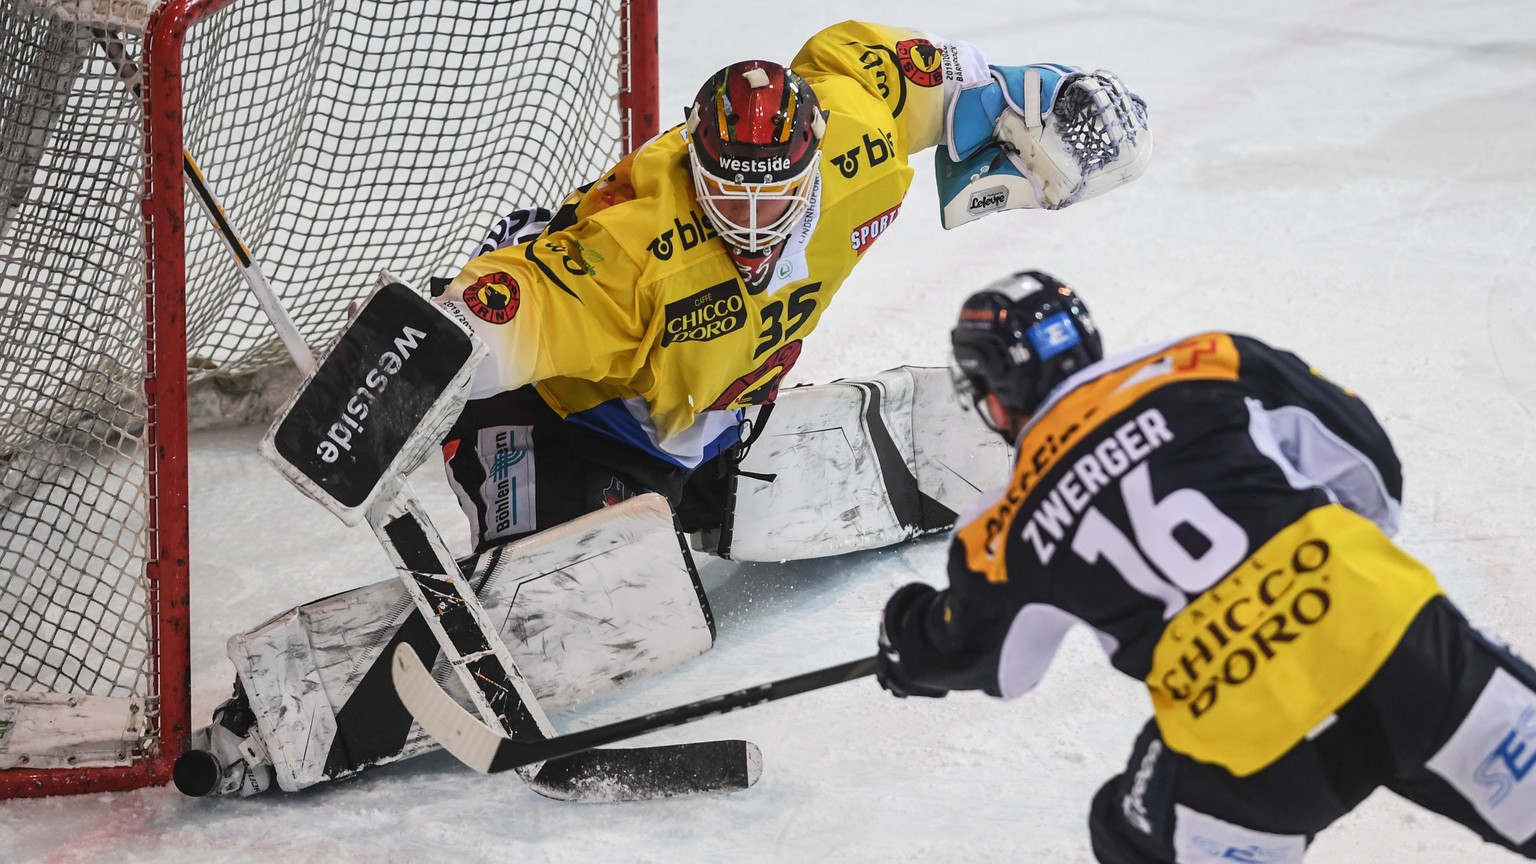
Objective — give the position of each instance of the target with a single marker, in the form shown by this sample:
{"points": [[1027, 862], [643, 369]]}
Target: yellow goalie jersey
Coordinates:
{"points": [[629, 308]]}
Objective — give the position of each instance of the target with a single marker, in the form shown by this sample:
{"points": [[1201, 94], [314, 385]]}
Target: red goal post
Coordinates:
{"points": [[340, 138]]}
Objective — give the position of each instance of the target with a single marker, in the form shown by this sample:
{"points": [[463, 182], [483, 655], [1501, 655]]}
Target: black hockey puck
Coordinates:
{"points": [[196, 773]]}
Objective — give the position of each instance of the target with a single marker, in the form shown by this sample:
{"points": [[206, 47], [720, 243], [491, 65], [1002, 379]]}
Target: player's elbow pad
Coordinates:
{"points": [[1038, 136]]}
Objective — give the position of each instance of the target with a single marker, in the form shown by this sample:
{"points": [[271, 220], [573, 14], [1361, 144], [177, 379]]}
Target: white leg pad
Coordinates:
{"points": [[860, 464], [583, 607]]}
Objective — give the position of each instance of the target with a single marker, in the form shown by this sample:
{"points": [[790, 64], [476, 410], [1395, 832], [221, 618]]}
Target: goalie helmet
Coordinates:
{"points": [[754, 135], [1017, 339]]}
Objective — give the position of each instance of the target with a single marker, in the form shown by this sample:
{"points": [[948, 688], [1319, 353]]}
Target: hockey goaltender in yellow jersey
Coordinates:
{"points": [[630, 327], [624, 295], [632, 300]]}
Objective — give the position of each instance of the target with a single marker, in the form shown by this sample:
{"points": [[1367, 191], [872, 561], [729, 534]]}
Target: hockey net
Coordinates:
{"points": [[341, 137]]}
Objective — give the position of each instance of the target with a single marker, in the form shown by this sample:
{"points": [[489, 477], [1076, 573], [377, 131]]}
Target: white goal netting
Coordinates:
{"points": [[341, 137]]}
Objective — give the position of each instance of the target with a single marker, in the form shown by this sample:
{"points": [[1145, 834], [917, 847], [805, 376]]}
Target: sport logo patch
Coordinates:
{"points": [[865, 234], [615, 492], [709, 314], [494, 297], [920, 62]]}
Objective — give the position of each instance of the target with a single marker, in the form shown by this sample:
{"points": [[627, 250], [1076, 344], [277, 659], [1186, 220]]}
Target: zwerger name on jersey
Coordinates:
{"points": [[1132, 442]]}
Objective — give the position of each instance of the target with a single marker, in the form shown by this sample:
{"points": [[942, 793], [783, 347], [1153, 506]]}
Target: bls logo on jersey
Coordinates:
{"points": [[876, 151], [709, 314], [689, 234], [865, 234]]}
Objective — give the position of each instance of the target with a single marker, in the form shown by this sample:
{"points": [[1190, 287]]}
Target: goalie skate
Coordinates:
{"points": [[226, 756]]}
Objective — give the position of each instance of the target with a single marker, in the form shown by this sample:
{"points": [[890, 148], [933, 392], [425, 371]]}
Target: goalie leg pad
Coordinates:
{"points": [[583, 607], [859, 464]]}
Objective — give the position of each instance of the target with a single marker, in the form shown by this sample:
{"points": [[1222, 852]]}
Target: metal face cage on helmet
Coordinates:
{"points": [[1017, 339], [754, 132]]}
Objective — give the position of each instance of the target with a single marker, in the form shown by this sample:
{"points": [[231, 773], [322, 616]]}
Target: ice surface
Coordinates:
{"points": [[1354, 181]]}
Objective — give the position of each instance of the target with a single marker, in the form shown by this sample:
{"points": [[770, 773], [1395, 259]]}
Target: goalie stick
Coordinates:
{"points": [[488, 751], [449, 604]]}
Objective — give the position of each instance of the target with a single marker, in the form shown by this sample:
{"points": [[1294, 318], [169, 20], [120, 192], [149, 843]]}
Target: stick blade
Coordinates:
{"points": [[647, 773], [592, 776], [458, 731]]}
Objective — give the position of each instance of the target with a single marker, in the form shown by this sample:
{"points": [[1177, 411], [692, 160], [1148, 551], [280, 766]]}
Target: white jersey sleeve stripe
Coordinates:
{"points": [[1311, 455], [1031, 645]]}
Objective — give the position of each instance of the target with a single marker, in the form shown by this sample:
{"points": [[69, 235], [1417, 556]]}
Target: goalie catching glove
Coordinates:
{"points": [[1039, 136]]}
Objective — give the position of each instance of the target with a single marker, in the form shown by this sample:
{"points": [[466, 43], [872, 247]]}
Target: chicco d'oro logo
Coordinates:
{"points": [[920, 62], [494, 297], [709, 314]]}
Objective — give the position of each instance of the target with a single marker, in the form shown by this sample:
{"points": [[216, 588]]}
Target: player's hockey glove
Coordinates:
{"points": [[1039, 136], [888, 669]]}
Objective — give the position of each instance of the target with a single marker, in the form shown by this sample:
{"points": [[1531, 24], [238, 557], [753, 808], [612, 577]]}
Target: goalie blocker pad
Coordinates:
{"points": [[583, 607], [858, 464], [378, 402]]}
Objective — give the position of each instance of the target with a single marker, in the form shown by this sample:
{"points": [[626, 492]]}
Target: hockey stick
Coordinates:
{"points": [[250, 270], [488, 751], [442, 594]]}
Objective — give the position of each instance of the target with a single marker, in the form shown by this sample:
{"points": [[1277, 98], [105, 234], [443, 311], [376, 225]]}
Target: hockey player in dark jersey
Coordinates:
{"points": [[1219, 513]]}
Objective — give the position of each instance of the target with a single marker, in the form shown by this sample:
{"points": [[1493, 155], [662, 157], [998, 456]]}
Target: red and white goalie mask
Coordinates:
{"points": [[754, 133]]}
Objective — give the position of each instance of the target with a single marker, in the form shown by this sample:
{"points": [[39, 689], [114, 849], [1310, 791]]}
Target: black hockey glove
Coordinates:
{"points": [[888, 669]]}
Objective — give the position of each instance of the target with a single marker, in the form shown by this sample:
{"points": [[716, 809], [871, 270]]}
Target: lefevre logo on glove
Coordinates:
{"points": [[987, 200]]}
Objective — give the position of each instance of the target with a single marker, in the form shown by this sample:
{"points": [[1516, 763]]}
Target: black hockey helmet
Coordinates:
{"points": [[1017, 339]]}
